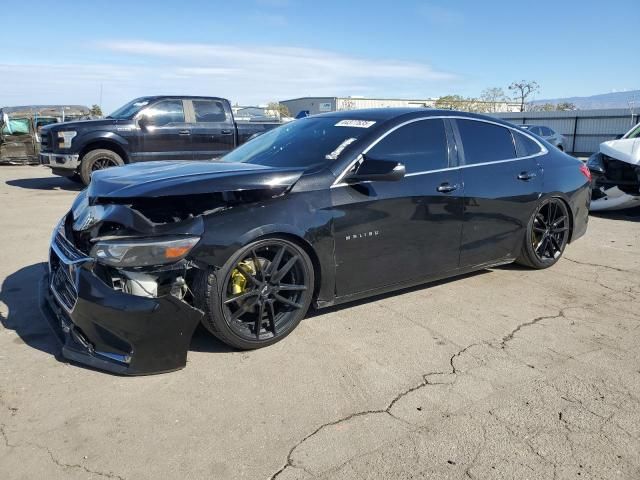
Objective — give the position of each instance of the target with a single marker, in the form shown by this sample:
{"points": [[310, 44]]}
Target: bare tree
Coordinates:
{"points": [[493, 98], [523, 89]]}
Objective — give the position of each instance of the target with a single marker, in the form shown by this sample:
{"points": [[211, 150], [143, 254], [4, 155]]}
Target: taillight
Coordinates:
{"points": [[585, 171]]}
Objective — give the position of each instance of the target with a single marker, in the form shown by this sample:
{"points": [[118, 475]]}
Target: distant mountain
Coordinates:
{"points": [[604, 100]]}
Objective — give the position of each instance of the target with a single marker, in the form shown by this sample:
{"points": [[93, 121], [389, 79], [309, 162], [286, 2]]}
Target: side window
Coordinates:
{"points": [[485, 142], [546, 132], [525, 145], [16, 126], [166, 112], [420, 146], [42, 121], [535, 130], [209, 111]]}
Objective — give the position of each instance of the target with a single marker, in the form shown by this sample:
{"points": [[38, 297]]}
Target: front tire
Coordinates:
{"points": [[547, 234], [98, 160], [260, 295]]}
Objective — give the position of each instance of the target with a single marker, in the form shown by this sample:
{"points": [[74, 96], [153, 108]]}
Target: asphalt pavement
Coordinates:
{"points": [[508, 373]]}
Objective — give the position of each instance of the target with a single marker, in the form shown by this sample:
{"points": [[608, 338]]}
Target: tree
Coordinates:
{"points": [[566, 106], [451, 102], [95, 111], [279, 109], [492, 99], [523, 89], [542, 107]]}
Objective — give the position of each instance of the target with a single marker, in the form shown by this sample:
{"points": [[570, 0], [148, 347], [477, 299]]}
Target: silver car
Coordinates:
{"points": [[550, 135]]}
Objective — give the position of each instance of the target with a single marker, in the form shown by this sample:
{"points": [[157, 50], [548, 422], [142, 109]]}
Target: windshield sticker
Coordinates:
{"points": [[355, 123], [336, 153], [141, 104]]}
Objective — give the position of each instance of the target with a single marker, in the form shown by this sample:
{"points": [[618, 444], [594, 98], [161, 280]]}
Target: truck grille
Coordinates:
{"points": [[45, 141]]}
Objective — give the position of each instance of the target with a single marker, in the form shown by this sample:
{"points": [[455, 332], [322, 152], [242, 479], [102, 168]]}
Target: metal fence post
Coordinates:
{"points": [[575, 132]]}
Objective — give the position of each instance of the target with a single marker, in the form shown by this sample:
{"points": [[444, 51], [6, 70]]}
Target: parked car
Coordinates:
{"points": [[550, 135], [324, 210], [616, 173], [147, 128], [20, 129]]}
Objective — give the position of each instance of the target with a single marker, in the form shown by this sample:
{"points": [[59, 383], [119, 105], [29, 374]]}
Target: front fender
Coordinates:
{"points": [[86, 139]]}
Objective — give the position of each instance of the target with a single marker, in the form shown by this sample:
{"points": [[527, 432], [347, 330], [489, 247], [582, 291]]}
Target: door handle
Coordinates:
{"points": [[184, 132], [447, 187], [526, 176], [226, 132]]}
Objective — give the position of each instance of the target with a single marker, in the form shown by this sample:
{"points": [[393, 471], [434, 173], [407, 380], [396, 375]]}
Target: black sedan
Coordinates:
{"points": [[323, 210]]}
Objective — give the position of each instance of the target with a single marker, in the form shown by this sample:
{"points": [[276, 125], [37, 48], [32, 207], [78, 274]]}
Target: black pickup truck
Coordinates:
{"points": [[147, 128]]}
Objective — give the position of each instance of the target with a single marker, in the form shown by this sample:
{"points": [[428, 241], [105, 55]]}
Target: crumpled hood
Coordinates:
{"points": [[626, 150], [160, 179]]}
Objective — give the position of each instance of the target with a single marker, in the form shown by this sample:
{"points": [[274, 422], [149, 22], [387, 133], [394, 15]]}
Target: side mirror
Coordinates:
{"points": [[371, 170], [144, 122]]}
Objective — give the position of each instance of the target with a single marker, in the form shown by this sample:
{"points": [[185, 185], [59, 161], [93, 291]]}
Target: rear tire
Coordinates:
{"points": [[547, 234], [273, 296], [98, 160]]}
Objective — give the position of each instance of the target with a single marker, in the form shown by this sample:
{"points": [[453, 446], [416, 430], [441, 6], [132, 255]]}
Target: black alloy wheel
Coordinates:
{"points": [[98, 159], [102, 163], [547, 234], [263, 292]]}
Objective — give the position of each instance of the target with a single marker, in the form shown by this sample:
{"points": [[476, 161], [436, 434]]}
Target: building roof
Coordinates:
{"points": [[46, 110]]}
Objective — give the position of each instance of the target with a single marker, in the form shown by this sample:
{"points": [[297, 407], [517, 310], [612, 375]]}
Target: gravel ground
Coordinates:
{"points": [[508, 373]]}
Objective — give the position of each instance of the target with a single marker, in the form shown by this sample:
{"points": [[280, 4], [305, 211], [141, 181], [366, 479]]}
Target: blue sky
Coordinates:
{"points": [[255, 51]]}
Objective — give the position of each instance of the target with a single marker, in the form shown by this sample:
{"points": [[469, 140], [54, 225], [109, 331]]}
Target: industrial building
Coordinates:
{"points": [[316, 105]]}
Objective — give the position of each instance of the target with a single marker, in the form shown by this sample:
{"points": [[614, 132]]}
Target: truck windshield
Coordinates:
{"points": [[301, 143], [128, 111]]}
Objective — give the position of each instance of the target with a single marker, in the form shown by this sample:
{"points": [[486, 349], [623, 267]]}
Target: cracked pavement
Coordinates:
{"points": [[507, 373]]}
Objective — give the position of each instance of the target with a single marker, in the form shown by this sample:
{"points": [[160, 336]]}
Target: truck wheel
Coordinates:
{"points": [[98, 160]]}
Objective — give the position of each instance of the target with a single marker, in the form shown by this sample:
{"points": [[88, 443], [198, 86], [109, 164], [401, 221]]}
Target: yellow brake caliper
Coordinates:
{"points": [[238, 280]]}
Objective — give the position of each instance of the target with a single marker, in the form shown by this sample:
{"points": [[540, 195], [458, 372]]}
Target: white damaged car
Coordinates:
{"points": [[615, 170]]}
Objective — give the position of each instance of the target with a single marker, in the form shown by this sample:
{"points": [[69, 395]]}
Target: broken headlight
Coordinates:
{"points": [[143, 252]]}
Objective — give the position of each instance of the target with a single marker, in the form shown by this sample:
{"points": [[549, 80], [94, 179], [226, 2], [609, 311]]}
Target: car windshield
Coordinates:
{"points": [[301, 143], [16, 126], [634, 133], [128, 111]]}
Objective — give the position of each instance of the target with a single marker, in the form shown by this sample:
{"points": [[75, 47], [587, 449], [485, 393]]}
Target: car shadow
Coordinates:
{"points": [[46, 183], [629, 215], [20, 294]]}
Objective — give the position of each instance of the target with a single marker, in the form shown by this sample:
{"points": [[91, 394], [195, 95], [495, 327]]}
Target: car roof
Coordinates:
{"points": [[153, 98], [393, 114]]}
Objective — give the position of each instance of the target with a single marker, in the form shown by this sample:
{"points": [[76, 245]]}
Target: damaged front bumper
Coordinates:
{"points": [[109, 329]]}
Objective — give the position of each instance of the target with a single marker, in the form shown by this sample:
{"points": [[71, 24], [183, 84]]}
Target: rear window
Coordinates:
{"points": [[485, 142], [209, 111], [525, 145]]}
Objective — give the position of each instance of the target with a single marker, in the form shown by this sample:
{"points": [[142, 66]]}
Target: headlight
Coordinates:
{"points": [[65, 138], [143, 252]]}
